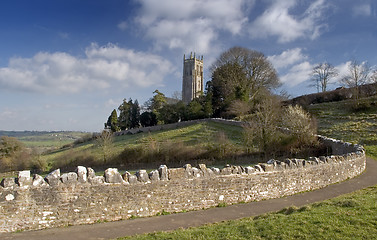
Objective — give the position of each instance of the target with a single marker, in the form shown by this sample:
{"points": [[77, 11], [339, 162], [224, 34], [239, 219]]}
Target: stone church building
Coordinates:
{"points": [[192, 82]]}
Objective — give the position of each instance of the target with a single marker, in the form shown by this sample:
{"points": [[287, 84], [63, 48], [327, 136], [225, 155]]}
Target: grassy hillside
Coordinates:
{"points": [[206, 141], [338, 120], [171, 147]]}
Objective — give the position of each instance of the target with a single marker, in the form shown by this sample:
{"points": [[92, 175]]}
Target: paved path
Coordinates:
{"points": [[198, 218]]}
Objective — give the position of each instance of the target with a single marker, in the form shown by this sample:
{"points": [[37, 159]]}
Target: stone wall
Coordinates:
{"points": [[81, 197]]}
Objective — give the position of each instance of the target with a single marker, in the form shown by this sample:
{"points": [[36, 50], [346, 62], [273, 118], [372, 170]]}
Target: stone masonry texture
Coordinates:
{"points": [[62, 200]]}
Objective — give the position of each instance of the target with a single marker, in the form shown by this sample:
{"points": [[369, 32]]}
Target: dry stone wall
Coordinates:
{"points": [[81, 197]]}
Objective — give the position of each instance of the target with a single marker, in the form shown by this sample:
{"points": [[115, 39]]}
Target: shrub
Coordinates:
{"points": [[261, 129], [300, 125], [13, 155], [275, 131], [70, 160]]}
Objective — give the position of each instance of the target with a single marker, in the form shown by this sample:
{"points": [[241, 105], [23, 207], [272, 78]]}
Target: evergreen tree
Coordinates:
{"points": [[124, 112], [134, 114], [148, 119], [112, 121]]}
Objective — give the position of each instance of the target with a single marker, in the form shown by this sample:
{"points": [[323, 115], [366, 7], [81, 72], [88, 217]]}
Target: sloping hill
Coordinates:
{"points": [[204, 141], [338, 120]]}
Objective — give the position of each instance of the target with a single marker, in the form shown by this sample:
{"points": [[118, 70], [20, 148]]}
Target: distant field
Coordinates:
{"points": [[42, 141]]}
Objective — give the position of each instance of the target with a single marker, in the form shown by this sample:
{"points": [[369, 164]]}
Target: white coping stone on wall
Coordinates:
{"points": [[38, 181], [249, 170], [188, 170], [163, 171], [215, 170], [69, 178], [132, 179], [113, 176], [96, 180], [196, 172], [8, 182], [53, 178], [24, 178], [154, 175], [91, 172], [258, 168], [142, 176], [82, 174]]}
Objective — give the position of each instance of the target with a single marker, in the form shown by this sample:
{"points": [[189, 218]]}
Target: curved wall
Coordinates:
{"points": [[81, 197]]}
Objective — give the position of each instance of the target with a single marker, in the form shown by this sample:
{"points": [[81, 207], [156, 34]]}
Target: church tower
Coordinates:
{"points": [[192, 82]]}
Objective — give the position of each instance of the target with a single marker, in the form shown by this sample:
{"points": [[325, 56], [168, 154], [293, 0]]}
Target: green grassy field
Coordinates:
{"points": [[338, 121], [351, 216], [42, 141]]}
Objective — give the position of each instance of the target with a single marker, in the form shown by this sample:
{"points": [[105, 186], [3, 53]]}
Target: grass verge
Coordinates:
{"points": [[351, 216]]}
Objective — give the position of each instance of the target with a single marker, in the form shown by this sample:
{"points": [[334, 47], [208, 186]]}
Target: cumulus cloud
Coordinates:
{"points": [[102, 67], [293, 66], [362, 10], [343, 69], [191, 25], [278, 20], [297, 74], [287, 58]]}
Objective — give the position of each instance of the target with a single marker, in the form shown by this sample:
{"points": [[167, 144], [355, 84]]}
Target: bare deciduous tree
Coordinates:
{"points": [[105, 141], [358, 74], [322, 74]]}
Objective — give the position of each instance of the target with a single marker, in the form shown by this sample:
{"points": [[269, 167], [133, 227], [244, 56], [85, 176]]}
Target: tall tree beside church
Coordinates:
{"points": [[240, 74], [112, 121]]}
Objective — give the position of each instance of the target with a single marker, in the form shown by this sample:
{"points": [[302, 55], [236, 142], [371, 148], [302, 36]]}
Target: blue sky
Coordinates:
{"points": [[65, 64]]}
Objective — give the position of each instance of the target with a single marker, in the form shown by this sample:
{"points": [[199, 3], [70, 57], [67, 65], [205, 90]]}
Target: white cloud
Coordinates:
{"points": [[287, 58], [102, 67], [277, 20], [362, 10], [293, 66], [297, 74], [343, 69], [191, 25], [123, 25]]}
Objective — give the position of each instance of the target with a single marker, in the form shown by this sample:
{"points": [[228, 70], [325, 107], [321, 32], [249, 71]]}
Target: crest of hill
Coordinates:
{"points": [[336, 95]]}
